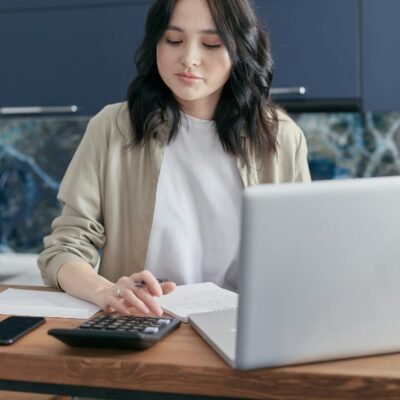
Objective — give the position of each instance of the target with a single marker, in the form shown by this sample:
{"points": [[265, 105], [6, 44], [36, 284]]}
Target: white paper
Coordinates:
{"points": [[197, 298], [44, 304]]}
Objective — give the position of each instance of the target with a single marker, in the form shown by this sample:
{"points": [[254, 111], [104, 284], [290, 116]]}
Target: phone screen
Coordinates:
{"points": [[13, 328]]}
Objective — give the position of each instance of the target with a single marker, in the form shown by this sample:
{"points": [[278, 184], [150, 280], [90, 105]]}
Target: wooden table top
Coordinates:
{"points": [[183, 363]]}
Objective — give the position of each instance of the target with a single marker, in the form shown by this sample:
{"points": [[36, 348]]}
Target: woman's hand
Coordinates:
{"points": [[127, 293]]}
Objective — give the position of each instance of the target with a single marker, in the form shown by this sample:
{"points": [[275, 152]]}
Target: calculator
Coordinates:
{"points": [[123, 332]]}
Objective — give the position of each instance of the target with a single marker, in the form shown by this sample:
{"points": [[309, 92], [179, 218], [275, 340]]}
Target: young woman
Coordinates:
{"points": [[156, 182]]}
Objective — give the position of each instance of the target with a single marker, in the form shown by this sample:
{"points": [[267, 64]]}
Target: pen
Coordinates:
{"points": [[143, 283]]}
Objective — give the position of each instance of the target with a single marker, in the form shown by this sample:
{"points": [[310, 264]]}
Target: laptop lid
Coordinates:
{"points": [[320, 272]]}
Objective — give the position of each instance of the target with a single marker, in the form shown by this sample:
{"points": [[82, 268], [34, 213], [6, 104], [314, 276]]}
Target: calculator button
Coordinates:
{"points": [[150, 329], [132, 324], [163, 321]]}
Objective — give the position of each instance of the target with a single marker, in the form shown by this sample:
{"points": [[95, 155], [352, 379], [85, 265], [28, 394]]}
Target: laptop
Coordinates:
{"points": [[319, 275]]}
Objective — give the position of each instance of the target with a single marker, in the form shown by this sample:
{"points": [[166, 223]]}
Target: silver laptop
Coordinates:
{"points": [[319, 278]]}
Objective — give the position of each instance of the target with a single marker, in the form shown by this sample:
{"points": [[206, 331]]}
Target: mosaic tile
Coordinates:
{"points": [[351, 145], [34, 154]]}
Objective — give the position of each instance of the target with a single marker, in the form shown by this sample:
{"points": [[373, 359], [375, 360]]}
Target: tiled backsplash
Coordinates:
{"points": [[34, 153], [346, 145]]}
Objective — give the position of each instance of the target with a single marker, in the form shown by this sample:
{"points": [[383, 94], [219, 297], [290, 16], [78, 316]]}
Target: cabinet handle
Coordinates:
{"points": [[301, 90], [38, 110]]}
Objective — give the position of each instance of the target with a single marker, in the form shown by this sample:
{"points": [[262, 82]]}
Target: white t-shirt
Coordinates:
{"points": [[196, 225]]}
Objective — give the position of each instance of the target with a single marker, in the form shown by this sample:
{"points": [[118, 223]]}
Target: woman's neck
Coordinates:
{"points": [[208, 116], [201, 108]]}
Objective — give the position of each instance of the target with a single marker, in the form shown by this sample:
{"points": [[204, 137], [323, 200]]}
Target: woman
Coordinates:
{"points": [[156, 182]]}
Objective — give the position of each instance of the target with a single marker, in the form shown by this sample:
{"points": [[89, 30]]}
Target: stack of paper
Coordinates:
{"points": [[44, 304]]}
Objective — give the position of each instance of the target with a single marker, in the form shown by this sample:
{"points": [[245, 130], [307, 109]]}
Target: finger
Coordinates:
{"points": [[133, 301], [150, 282], [108, 309], [149, 300], [168, 287], [116, 304]]}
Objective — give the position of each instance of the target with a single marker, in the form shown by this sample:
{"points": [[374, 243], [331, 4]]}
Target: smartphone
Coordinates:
{"points": [[13, 328]]}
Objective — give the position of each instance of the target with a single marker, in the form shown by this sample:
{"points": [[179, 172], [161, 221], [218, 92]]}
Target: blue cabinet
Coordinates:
{"points": [[315, 44], [344, 52], [81, 52], [75, 52], [381, 55]]}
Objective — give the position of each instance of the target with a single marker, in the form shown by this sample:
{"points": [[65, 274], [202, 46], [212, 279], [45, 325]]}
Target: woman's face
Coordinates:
{"points": [[192, 60]]}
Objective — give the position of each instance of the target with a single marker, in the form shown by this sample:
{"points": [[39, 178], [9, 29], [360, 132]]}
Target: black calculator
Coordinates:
{"points": [[123, 332]]}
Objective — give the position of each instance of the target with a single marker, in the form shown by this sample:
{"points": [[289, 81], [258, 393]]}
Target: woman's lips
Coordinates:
{"points": [[188, 78]]}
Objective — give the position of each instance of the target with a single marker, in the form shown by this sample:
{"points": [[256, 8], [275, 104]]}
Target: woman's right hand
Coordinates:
{"points": [[126, 294]]}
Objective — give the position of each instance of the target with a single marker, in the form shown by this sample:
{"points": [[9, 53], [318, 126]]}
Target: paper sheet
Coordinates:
{"points": [[44, 304], [197, 298]]}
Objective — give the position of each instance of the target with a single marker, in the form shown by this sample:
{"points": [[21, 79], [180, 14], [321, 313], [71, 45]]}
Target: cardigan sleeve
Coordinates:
{"points": [[292, 151], [78, 233], [302, 171]]}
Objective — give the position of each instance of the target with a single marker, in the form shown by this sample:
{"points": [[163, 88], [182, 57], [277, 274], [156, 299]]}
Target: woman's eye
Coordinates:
{"points": [[173, 42], [212, 46]]}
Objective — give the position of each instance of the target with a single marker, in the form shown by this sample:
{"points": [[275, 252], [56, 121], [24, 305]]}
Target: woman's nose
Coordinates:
{"points": [[191, 56]]}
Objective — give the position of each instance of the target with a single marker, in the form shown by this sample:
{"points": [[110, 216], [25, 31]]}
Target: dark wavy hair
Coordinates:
{"points": [[245, 104]]}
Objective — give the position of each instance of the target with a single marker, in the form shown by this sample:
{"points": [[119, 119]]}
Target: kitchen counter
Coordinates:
{"points": [[19, 269]]}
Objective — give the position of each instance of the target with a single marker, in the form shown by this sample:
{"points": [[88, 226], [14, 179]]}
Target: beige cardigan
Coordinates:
{"points": [[108, 193]]}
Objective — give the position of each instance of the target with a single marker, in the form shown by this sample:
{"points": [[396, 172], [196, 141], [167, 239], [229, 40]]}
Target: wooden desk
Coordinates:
{"points": [[182, 364]]}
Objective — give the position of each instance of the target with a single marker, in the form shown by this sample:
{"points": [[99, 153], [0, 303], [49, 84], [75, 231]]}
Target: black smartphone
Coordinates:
{"points": [[13, 328]]}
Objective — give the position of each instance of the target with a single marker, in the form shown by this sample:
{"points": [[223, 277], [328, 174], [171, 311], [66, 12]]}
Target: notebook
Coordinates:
{"points": [[319, 275], [187, 300]]}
